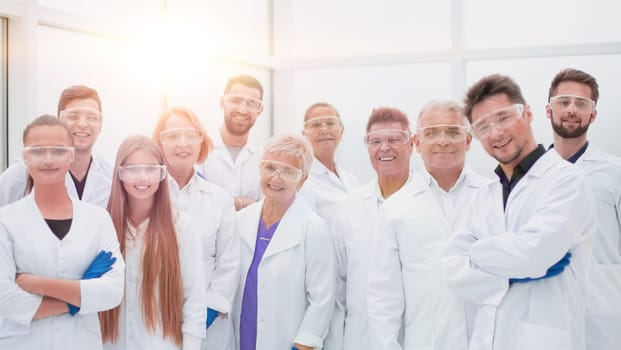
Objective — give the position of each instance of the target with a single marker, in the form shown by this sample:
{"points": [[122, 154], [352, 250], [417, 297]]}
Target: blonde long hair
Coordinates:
{"points": [[160, 256]]}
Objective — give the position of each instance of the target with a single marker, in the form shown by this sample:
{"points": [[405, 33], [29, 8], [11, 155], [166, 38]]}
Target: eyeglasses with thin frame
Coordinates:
{"points": [[392, 137], [452, 133], [181, 135], [37, 154], [238, 101], [502, 118], [74, 115], [269, 168], [134, 173], [318, 123], [562, 103]]}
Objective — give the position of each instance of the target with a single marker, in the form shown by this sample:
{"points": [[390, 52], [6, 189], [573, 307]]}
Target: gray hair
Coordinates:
{"points": [[441, 105], [293, 146]]}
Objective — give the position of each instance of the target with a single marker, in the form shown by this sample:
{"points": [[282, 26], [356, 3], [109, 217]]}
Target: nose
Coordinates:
{"points": [[181, 141], [442, 139], [384, 145], [495, 130]]}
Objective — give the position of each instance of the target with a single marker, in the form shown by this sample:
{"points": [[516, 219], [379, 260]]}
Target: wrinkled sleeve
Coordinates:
{"points": [[105, 292], [385, 298], [193, 276], [564, 213], [320, 285], [223, 285], [16, 304]]}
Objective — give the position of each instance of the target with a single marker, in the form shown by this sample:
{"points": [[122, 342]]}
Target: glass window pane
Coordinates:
{"points": [[325, 28], [491, 23]]}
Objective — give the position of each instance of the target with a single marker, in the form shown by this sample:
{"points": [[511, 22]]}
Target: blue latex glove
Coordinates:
{"points": [[99, 266], [211, 316], [294, 348], [552, 271]]}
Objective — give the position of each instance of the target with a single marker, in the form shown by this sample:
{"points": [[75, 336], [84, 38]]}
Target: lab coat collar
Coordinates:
{"points": [[372, 189], [196, 183], [287, 235], [216, 138]]}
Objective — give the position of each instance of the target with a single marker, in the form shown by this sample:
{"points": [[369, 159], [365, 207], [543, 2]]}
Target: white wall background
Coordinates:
{"points": [[143, 55]]}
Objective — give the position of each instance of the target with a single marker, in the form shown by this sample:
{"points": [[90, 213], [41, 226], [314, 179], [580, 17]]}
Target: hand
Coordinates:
{"points": [[297, 346], [552, 271], [99, 266], [211, 316], [28, 282]]}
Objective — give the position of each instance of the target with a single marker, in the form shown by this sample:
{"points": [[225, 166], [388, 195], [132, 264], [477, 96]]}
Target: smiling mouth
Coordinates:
{"points": [[386, 159], [501, 144], [275, 188]]}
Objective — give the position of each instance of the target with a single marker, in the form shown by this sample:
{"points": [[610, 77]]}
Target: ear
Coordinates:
{"points": [[593, 116], [260, 109], [416, 141], [468, 141], [548, 111], [528, 114], [222, 102]]}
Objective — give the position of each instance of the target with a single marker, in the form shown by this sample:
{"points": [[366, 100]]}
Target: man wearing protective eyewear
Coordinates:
{"points": [[233, 163], [523, 231], [406, 288], [328, 183], [572, 108], [89, 177]]}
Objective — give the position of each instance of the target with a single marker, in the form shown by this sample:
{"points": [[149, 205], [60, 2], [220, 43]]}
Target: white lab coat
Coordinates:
{"points": [[603, 174], [27, 245], [239, 177], [213, 214], [297, 277], [406, 288], [323, 190], [548, 213], [96, 189], [133, 333]]}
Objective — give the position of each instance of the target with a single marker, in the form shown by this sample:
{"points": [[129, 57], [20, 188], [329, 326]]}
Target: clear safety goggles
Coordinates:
{"points": [[318, 123], [452, 133], [180, 136], [134, 173], [392, 137], [502, 118], [74, 115], [38, 154], [269, 168], [238, 101], [562, 103]]}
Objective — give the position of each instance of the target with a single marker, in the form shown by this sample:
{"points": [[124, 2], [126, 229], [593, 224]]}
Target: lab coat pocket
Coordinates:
{"points": [[604, 289], [532, 336]]}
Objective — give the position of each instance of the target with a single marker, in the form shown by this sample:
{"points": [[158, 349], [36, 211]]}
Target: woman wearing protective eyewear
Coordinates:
{"points": [[64, 252], [288, 268], [184, 143], [164, 299]]}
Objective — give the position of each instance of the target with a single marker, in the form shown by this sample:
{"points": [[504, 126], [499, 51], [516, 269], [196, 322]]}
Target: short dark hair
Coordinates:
{"points": [[491, 85], [577, 76], [246, 80], [388, 114], [76, 92]]}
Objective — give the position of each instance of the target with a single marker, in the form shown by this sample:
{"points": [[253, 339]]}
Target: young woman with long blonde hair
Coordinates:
{"points": [[164, 304]]}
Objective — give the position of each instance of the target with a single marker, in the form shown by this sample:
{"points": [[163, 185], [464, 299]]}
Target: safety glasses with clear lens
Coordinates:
{"points": [[318, 123], [181, 135], [392, 137], [452, 133], [269, 168], [134, 173], [562, 103], [37, 154], [502, 118], [75, 115], [238, 101]]}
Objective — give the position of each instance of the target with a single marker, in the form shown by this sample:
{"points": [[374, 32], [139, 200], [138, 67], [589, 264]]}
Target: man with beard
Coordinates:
{"points": [[572, 108], [524, 252], [233, 164], [89, 177]]}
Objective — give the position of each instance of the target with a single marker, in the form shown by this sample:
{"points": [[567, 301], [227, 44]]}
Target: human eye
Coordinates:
{"points": [[72, 116], [374, 141], [37, 152], [92, 117]]}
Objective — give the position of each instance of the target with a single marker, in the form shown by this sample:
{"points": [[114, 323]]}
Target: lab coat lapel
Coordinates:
{"points": [[541, 166], [288, 233], [249, 225]]}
